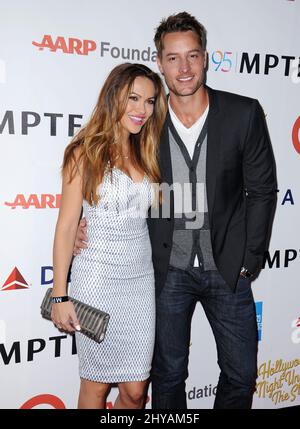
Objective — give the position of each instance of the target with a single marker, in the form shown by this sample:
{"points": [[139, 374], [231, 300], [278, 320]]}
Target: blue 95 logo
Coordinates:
{"points": [[222, 60]]}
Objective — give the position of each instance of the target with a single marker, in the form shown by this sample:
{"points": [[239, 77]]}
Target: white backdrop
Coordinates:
{"points": [[49, 81]]}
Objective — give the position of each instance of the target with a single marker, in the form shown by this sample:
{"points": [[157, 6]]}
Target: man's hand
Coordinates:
{"points": [[81, 238], [245, 273]]}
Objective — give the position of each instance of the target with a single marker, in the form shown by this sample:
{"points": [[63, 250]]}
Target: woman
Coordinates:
{"points": [[109, 168]]}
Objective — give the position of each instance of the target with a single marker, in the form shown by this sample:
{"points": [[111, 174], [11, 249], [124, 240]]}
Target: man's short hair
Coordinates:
{"points": [[182, 21]]}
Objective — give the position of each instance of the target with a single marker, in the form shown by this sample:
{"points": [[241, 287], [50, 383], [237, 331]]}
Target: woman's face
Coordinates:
{"points": [[140, 105]]}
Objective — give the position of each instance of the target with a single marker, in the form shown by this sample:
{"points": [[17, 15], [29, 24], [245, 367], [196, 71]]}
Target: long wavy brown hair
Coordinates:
{"points": [[97, 145]]}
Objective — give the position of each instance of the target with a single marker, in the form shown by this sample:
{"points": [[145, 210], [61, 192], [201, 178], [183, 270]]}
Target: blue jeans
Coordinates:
{"points": [[232, 318]]}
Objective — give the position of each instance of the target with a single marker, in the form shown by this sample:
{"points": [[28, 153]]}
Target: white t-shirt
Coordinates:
{"points": [[189, 136]]}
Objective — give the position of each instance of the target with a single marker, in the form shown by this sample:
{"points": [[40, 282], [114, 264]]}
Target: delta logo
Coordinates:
{"points": [[67, 46], [15, 281], [42, 201], [296, 135]]}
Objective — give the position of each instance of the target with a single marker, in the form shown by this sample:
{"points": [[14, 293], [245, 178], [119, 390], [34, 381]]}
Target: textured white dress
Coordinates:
{"points": [[115, 274]]}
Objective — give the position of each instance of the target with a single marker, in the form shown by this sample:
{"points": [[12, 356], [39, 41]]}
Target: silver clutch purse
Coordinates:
{"points": [[93, 322]]}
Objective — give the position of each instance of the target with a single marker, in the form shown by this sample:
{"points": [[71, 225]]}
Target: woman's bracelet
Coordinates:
{"points": [[58, 299]]}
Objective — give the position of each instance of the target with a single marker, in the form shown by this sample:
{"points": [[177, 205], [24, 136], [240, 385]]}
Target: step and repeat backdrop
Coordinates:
{"points": [[54, 57]]}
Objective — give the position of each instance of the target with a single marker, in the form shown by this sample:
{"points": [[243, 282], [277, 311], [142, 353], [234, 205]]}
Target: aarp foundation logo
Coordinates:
{"points": [[77, 46], [15, 281], [70, 45], [296, 135], [42, 201]]}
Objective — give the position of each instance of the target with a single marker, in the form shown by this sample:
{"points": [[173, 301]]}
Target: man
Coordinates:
{"points": [[210, 251]]}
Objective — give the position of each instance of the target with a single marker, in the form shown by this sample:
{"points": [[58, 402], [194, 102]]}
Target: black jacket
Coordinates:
{"points": [[241, 188]]}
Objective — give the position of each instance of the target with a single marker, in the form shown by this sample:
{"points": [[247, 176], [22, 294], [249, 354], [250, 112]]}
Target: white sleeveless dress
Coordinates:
{"points": [[115, 274]]}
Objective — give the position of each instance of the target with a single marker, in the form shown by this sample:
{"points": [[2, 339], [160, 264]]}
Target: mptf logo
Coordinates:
{"points": [[15, 281], [295, 337], [259, 311], [280, 258], [296, 135], [42, 201], [246, 63], [26, 351], [30, 120]]}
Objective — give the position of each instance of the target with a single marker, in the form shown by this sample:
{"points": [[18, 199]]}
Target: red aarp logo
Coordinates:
{"points": [[296, 135], [67, 46], [15, 281], [44, 399], [42, 201]]}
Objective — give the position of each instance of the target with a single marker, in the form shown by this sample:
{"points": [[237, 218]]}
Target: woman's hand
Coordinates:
{"points": [[64, 317]]}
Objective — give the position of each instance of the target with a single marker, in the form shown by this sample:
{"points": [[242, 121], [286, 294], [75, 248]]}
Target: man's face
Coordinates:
{"points": [[182, 63]]}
